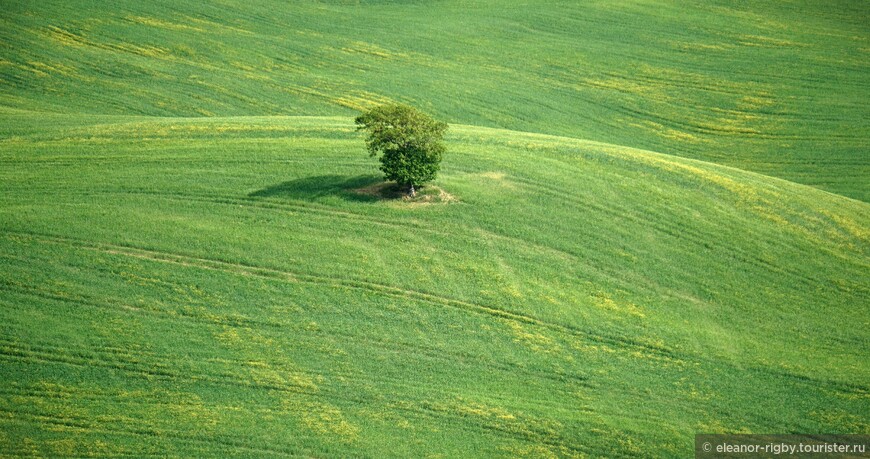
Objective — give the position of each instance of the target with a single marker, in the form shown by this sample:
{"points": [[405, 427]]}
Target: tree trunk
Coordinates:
{"points": [[412, 192]]}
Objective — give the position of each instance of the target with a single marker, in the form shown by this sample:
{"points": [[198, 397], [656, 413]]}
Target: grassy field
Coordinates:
{"points": [[217, 286], [651, 222], [779, 89]]}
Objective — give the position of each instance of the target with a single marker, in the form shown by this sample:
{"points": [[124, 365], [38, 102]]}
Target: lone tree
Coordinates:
{"points": [[411, 142]]}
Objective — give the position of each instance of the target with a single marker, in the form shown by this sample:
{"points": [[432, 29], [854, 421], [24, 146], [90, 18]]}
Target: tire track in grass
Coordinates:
{"points": [[236, 321], [622, 213], [324, 211], [339, 282], [471, 234], [436, 391], [541, 433], [442, 354], [156, 368], [83, 300], [674, 231], [81, 424], [425, 351], [14, 352], [421, 407], [441, 412], [671, 230], [272, 274], [525, 428], [291, 276], [161, 258], [699, 239], [285, 206]]}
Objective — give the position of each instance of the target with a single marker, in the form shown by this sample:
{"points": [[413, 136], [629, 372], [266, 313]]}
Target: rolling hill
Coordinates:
{"points": [[772, 88], [192, 262], [218, 286]]}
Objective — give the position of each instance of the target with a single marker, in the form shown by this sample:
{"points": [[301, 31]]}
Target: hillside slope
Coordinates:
{"points": [[777, 88], [217, 286]]}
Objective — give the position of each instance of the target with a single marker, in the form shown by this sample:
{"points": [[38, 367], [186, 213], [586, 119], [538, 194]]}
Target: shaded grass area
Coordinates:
{"points": [[360, 188], [216, 287], [312, 188], [779, 89]]}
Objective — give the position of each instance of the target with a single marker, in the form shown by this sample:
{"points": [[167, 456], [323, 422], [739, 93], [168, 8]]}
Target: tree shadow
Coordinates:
{"points": [[323, 186]]}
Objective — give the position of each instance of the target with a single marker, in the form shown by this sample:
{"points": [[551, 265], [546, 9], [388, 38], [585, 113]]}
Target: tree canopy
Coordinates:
{"points": [[411, 143]]}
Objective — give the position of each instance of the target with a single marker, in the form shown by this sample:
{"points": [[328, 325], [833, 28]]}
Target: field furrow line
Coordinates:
{"points": [[338, 282], [12, 351], [327, 394], [419, 349], [72, 422], [286, 206], [156, 432], [386, 290], [289, 207], [158, 368], [436, 353], [527, 433], [684, 234], [113, 304]]}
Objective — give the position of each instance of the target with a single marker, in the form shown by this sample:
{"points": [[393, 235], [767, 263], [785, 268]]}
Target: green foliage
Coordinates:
{"points": [[411, 142]]}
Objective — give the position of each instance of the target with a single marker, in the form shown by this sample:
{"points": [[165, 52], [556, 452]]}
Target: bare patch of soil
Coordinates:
{"points": [[389, 191]]}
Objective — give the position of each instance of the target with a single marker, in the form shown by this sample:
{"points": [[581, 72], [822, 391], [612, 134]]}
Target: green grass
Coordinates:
{"points": [[216, 286], [651, 222], [779, 89]]}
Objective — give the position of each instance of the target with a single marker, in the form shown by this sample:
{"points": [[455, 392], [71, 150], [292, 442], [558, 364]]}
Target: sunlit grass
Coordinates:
{"points": [[776, 89], [220, 287]]}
